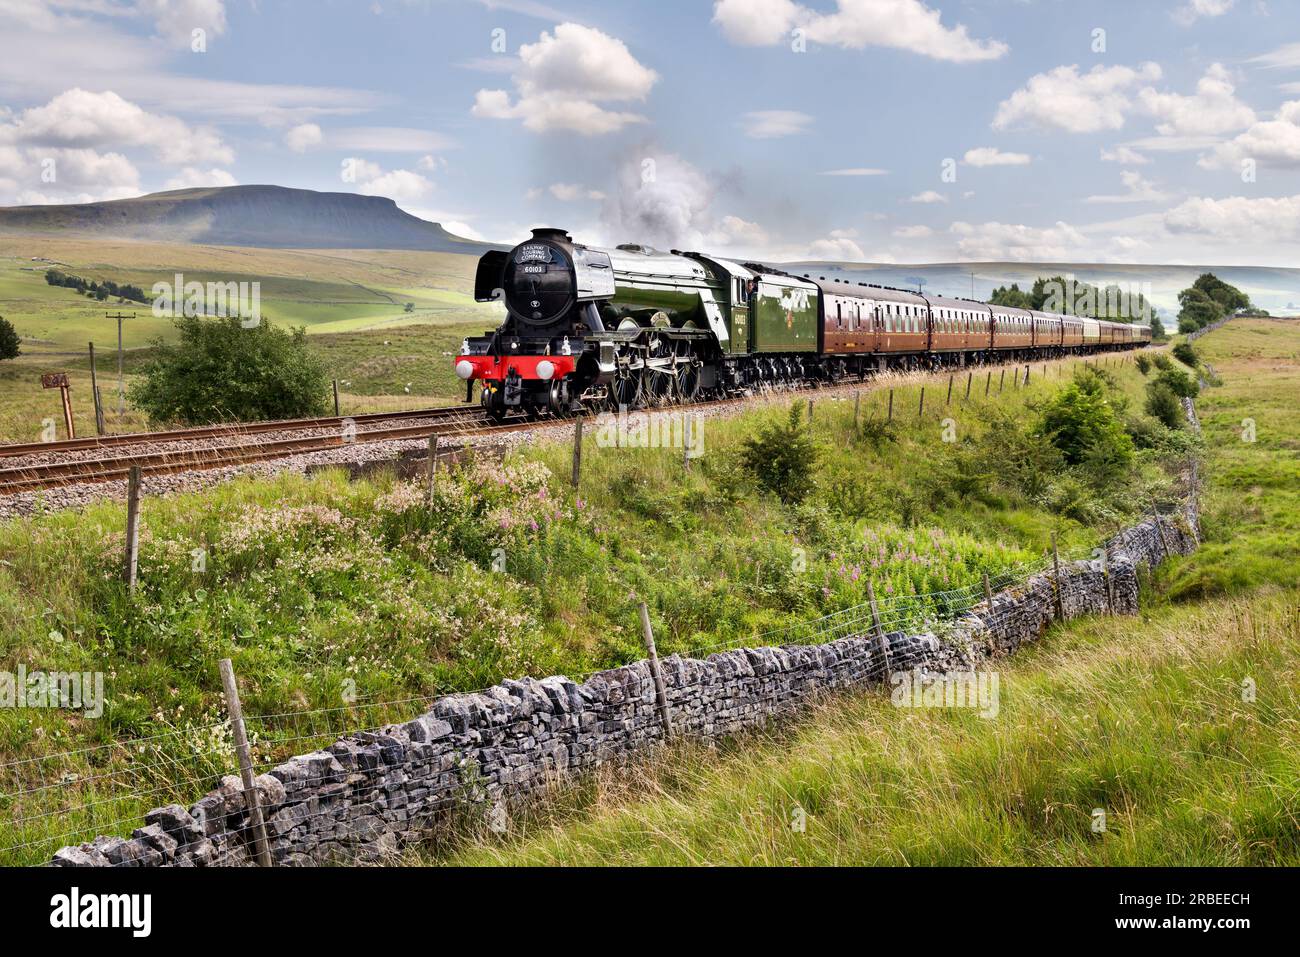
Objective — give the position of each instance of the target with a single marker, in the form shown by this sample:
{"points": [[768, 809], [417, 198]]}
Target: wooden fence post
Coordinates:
{"points": [[879, 629], [1056, 580], [988, 381], [1002, 380], [968, 378], [891, 405], [1155, 517], [251, 800], [336, 397], [577, 450], [857, 407], [433, 464], [686, 440], [988, 594], [949, 401], [1105, 577], [94, 391], [810, 409], [132, 527], [920, 410], [661, 693]]}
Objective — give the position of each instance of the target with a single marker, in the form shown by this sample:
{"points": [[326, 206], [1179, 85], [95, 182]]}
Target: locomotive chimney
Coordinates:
{"points": [[550, 232]]}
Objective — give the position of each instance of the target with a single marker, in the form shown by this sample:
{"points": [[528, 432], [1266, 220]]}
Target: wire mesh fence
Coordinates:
{"points": [[62, 798]]}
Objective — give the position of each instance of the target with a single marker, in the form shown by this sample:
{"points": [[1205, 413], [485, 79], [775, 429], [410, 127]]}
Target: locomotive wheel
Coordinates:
{"points": [[657, 387], [625, 390], [688, 380]]}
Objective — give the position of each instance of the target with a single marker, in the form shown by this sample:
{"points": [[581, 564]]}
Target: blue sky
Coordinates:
{"points": [[880, 130]]}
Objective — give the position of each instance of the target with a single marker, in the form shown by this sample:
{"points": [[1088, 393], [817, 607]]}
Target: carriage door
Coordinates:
{"points": [[740, 315]]}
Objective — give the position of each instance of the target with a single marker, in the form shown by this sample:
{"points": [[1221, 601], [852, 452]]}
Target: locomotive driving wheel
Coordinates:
{"points": [[688, 379], [625, 389]]}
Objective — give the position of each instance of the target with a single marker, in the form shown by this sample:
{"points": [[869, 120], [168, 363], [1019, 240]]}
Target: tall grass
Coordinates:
{"points": [[1145, 723]]}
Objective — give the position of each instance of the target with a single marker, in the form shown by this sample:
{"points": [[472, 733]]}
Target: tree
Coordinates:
{"points": [[1229, 298], [783, 457], [1198, 309], [410, 307], [1012, 296], [1081, 422], [218, 370], [9, 342]]}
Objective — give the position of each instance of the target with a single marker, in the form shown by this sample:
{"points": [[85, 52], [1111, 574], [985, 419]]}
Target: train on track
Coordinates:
{"points": [[591, 329]]}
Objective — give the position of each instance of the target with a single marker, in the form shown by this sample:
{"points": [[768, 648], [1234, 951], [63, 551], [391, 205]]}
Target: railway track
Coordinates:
{"points": [[330, 432], [228, 445], [218, 431]]}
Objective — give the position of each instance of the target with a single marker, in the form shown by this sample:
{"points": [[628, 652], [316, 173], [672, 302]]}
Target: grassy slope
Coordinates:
{"points": [[311, 584], [1145, 722], [352, 302], [1143, 719]]}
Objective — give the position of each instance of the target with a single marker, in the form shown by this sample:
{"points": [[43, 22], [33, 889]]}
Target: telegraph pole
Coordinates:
{"points": [[121, 381]]}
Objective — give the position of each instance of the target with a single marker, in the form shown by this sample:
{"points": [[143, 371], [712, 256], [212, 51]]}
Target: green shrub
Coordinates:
{"points": [[1143, 362], [1162, 404], [876, 432], [9, 341], [1083, 425], [1179, 382], [1185, 354], [1162, 361], [220, 371], [783, 458]]}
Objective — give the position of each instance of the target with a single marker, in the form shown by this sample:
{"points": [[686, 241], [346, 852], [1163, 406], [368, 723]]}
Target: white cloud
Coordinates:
{"points": [[388, 139], [1285, 57], [913, 232], [1079, 103], [770, 124], [357, 169], [563, 79], [1018, 243], [732, 231], [176, 20], [38, 176], [1193, 10], [1274, 142], [77, 118], [189, 178], [992, 156], [839, 246], [399, 185], [303, 137], [928, 196], [900, 24], [855, 171], [1137, 189], [1213, 109], [1124, 154], [568, 192], [1238, 218]]}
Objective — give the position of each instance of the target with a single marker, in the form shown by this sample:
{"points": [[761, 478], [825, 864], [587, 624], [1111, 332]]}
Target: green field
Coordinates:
{"points": [[352, 303], [1143, 718], [311, 585]]}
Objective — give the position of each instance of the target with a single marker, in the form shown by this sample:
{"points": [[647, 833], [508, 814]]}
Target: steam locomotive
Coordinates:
{"points": [[589, 328]]}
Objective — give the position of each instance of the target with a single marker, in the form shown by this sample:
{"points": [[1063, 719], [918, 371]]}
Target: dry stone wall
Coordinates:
{"points": [[368, 794]]}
